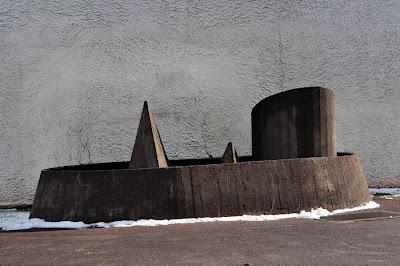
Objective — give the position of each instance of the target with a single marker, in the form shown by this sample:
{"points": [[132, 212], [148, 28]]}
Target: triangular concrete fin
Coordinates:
{"points": [[230, 154], [148, 150]]}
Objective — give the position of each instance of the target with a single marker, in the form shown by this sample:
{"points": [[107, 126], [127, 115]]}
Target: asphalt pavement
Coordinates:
{"points": [[374, 241]]}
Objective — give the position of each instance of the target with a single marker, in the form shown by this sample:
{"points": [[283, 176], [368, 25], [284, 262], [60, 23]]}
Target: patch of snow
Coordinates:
{"points": [[387, 191], [11, 220], [369, 205]]}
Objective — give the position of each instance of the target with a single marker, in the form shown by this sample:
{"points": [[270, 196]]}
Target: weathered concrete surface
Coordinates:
{"points": [[253, 187], [297, 123], [148, 150], [230, 155], [74, 75], [285, 242]]}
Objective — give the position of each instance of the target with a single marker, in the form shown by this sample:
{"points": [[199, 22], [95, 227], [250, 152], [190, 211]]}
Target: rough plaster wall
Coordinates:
{"points": [[74, 75]]}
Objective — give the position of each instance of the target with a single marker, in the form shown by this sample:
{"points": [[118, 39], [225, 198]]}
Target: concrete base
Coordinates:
{"points": [[111, 191]]}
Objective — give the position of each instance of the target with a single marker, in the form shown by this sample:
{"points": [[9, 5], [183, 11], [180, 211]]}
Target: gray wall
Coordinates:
{"points": [[74, 75]]}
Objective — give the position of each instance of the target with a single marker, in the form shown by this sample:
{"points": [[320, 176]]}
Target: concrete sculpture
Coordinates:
{"points": [[294, 166], [294, 124], [148, 151]]}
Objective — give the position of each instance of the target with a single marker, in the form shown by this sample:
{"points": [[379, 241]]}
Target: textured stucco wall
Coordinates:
{"points": [[74, 75]]}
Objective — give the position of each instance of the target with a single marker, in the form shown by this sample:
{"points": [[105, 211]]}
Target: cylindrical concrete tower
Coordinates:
{"points": [[297, 123]]}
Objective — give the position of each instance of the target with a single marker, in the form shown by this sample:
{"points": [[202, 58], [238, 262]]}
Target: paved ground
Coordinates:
{"points": [[293, 241]]}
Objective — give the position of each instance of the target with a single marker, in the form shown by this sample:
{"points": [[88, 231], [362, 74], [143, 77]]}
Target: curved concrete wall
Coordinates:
{"points": [[74, 75], [93, 194], [297, 123]]}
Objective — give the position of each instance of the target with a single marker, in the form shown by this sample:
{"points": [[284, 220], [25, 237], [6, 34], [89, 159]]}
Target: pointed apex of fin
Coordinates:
{"points": [[148, 151], [230, 154]]}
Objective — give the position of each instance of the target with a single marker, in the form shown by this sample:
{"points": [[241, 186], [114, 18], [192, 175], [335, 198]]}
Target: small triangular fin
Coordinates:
{"points": [[230, 154], [148, 150]]}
